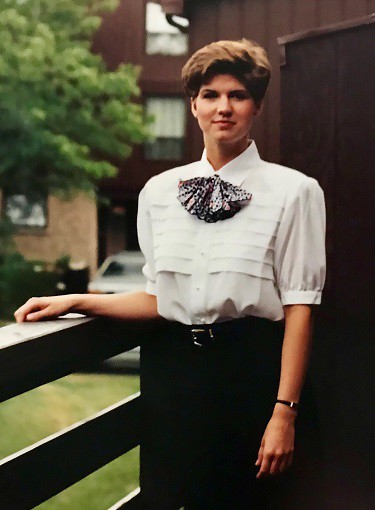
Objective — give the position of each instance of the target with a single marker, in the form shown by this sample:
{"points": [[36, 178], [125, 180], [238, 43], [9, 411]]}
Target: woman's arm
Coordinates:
{"points": [[138, 305], [276, 450]]}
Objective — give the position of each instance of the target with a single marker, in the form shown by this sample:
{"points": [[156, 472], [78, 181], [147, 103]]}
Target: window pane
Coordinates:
{"points": [[169, 116], [165, 148], [161, 37], [26, 212], [168, 128]]}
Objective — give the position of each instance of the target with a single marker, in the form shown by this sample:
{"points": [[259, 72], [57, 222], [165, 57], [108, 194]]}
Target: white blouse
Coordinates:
{"points": [[270, 254]]}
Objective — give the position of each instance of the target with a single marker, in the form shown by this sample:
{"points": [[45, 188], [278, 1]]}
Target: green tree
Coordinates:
{"points": [[64, 117]]}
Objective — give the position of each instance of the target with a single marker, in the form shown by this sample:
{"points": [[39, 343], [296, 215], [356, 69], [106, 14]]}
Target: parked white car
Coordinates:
{"points": [[120, 273]]}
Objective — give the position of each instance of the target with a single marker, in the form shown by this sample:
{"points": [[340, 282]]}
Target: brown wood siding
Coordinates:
{"points": [[304, 16]]}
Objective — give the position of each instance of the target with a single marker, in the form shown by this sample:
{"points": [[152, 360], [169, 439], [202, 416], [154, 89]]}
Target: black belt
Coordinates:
{"points": [[205, 335]]}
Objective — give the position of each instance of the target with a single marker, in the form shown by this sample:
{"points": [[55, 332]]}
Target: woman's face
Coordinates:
{"points": [[224, 110]]}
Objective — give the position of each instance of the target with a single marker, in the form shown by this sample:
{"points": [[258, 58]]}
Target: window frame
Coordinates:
{"points": [[23, 228], [183, 139], [161, 55]]}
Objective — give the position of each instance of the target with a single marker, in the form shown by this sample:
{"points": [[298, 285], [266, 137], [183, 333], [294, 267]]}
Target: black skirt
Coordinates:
{"points": [[205, 409]]}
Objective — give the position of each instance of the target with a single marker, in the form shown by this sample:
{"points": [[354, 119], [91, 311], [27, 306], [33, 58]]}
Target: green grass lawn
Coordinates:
{"points": [[45, 410]]}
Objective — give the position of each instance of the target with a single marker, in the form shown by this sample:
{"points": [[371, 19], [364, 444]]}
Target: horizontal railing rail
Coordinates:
{"points": [[32, 354]]}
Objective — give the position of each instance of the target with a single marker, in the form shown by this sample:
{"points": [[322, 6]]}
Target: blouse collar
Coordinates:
{"points": [[237, 169]]}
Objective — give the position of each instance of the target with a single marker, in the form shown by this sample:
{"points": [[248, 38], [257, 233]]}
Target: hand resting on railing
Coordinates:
{"points": [[134, 306]]}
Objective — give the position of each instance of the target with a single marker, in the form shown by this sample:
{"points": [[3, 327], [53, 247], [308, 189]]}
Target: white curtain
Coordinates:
{"points": [[170, 117]]}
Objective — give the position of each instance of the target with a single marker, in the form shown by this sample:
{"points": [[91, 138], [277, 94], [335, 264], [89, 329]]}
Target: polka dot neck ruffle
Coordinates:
{"points": [[211, 199]]}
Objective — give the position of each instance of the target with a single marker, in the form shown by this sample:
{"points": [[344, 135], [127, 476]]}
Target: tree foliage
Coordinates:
{"points": [[63, 114]]}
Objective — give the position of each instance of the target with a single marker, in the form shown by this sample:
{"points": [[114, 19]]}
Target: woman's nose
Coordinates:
{"points": [[224, 106]]}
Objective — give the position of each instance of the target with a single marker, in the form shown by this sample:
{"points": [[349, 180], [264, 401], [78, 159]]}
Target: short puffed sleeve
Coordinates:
{"points": [[300, 262], [145, 242]]}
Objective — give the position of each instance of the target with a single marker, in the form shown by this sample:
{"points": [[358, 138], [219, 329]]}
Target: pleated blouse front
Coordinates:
{"points": [[270, 254]]}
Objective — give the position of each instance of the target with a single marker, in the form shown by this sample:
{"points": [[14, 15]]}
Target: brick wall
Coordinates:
{"points": [[71, 230]]}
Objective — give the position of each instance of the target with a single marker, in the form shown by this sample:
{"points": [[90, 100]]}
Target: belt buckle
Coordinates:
{"points": [[202, 337]]}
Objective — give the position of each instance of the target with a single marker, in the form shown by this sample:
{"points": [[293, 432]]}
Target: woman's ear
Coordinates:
{"points": [[259, 109], [193, 106]]}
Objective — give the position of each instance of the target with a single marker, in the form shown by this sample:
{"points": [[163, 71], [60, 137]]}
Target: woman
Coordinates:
{"points": [[235, 260]]}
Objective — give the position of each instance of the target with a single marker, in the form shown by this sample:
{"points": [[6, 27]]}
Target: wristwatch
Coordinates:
{"points": [[292, 405]]}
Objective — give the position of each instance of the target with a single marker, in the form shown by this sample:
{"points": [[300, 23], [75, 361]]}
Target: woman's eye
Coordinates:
{"points": [[209, 95], [240, 95]]}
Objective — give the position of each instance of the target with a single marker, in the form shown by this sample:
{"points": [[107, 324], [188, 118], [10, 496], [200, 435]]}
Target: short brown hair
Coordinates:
{"points": [[244, 59]]}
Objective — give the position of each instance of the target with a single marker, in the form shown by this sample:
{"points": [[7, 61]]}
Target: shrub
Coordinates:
{"points": [[21, 279]]}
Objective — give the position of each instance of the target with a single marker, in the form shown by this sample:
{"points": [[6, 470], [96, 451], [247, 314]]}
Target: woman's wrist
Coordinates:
{"points": [[78, 303], [282, 411]]}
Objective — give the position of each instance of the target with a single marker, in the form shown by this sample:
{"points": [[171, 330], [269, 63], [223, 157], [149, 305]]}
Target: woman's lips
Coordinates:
{"points": [[224, 122]]}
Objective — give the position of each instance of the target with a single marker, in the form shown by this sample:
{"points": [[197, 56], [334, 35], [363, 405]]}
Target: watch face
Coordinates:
{"points": [[26, 212]]}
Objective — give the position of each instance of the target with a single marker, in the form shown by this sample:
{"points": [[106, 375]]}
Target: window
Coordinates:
{"points": [[168, 128], [26, 212], [161, 37]]}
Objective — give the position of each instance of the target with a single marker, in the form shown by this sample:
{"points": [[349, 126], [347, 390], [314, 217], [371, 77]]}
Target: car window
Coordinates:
{"points": [[115, 269]]}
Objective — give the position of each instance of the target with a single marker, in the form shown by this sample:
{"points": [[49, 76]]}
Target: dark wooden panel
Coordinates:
{"points": [[304, 15], [126, 29], [159, 70], [308, 123], [278, 24], [203, 24], [355, 233], [332, 83], [255, 21], [329, 11], [230, 22], [39, 472], [354, 8]]}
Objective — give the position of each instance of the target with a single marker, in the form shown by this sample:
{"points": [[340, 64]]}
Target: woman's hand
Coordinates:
{"points": [[276, 450], [39, 308], [124, 306]]}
